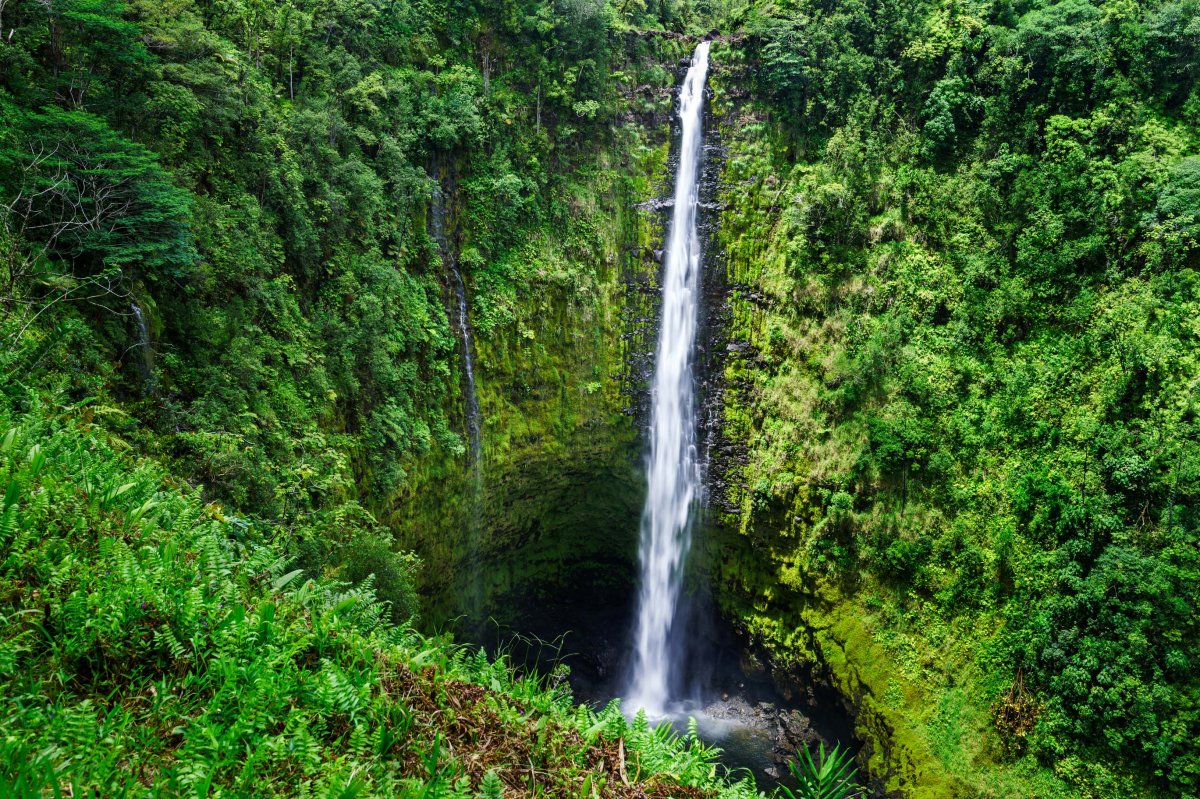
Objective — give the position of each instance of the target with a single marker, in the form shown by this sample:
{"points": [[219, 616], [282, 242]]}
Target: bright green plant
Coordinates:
{"points": [[154, 644], [831, 776]]}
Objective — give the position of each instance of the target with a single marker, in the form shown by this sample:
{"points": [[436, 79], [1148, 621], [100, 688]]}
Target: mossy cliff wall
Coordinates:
{"points": [[851, 531], [553, 504], [563, 360], [923, 732], [919, 503]]}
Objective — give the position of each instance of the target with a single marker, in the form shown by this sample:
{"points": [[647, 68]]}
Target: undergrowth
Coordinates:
{"points": [[155, 645]]}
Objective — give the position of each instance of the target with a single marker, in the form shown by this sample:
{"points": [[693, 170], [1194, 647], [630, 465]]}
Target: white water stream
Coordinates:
{"points": [[145, 350], [673, 468], [449, 259]]}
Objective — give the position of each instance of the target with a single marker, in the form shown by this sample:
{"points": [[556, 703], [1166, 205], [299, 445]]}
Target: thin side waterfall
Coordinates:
{"points": [[673, 468], [472, 395], [145, 349], [470, 590], [446, 250]]}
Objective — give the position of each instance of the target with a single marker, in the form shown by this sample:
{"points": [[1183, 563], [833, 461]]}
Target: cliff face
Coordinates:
{"points": [[563, 363], [757, 548], [550, 510], [937, 432], [929, 406]]}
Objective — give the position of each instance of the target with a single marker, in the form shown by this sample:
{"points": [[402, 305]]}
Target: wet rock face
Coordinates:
{"points": [[793, 730], [788, 728], [720, 453], [715, 307]]}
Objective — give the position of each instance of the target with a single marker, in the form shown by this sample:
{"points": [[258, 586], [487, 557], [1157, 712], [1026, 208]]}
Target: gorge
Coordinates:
{"points": [[821, 371]]}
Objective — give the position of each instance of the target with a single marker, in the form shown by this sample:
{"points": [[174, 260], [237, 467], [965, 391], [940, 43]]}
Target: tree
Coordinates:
{"points": [[93, 197], [1179, 203]]}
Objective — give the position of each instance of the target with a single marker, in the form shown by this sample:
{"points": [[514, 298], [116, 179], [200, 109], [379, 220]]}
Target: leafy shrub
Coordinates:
{"points": [[391, 573], [154, 644]]}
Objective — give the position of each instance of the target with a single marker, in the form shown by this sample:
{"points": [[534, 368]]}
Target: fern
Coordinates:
{"points": [[8, 522], [491, 787], [165, 638], [460, 788], [204, 647]]}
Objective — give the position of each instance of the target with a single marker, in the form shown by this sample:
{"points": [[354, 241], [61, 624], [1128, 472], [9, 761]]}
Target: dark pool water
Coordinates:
{"points": [[747, 748], [734, 711]]}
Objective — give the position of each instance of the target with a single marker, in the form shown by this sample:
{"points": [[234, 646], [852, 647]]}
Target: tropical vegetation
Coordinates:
{"points": [[953, 329]]}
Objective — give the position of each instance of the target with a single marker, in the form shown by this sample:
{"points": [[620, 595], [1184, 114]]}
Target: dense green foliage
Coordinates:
{"points": [[253, 182], [962, 240], [256, 177], [973, 386], [151, 645]]}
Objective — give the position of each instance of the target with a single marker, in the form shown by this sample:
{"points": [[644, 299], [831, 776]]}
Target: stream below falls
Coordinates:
{"points": [[737, 705]]}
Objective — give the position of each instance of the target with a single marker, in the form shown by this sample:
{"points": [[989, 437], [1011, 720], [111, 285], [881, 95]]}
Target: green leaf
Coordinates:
{"points": [[113, 493], [280, 582]]}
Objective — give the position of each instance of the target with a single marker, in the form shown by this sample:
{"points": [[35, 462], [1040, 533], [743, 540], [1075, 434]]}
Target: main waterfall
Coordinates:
{"points": [[673, 468]]}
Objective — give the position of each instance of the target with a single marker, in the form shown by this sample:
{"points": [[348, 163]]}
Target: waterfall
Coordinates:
{"points": [[464, 332], [673, 470], [469, 588], [145, 349], [446, 250]]}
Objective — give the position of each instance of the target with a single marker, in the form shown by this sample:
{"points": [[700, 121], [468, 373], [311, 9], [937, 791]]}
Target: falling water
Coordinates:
{"points": [[446, 250], [673, 468], [145, 349], [464, 331]]}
